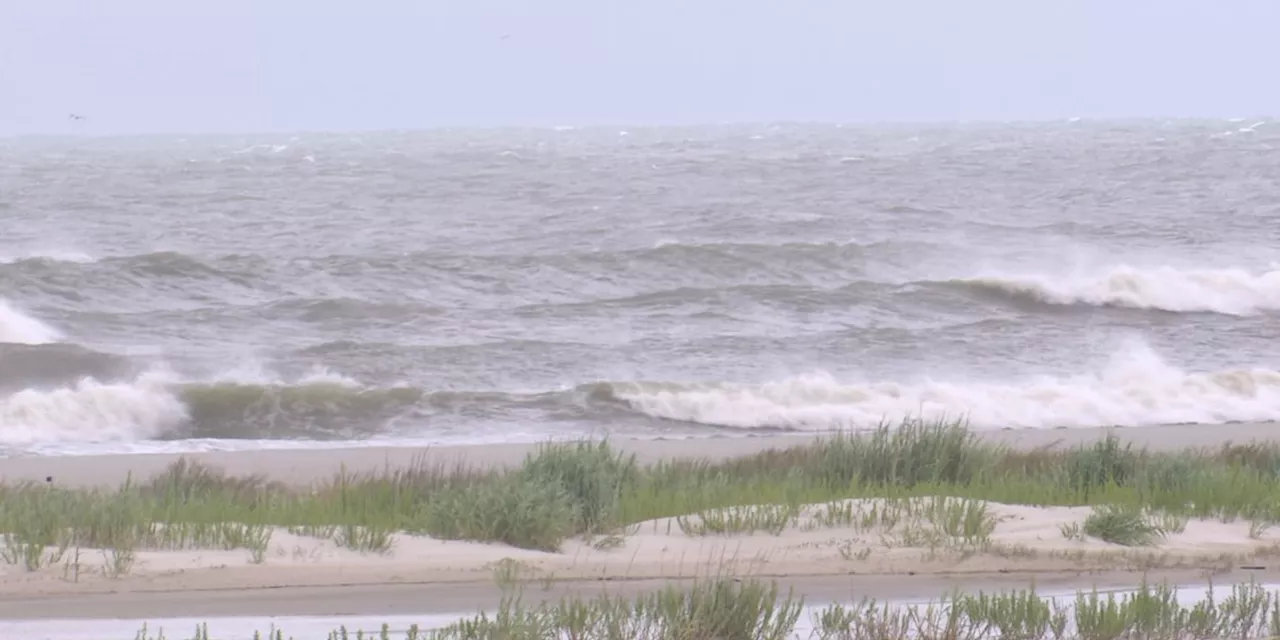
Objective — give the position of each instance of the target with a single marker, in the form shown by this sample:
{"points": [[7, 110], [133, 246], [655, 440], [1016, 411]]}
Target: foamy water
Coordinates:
{"points": [[1137, 388], [329, 290], [19, 328], [1164, 288]]}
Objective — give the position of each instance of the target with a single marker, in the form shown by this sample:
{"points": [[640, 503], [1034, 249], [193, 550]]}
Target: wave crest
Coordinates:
{"points": [[1135, 389], [17, 327], [1226, 291], [92, 411]]}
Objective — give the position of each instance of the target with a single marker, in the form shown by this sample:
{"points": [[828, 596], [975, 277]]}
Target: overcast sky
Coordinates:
{"points": [[146, 66]]}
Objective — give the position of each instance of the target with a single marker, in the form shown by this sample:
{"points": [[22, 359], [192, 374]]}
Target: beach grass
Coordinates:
{"points": [[1126, 526], [735, 609], [589, 489]]}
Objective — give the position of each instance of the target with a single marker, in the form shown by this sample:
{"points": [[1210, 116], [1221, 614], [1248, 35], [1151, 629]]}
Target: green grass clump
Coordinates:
{"points": [[1105, 463], [587, 489], [592, 476], [1122, 525], [772, 518], [522, 514], [915, 453]]}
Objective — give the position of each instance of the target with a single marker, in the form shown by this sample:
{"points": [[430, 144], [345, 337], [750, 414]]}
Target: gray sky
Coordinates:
{"points": [[142, 66]]}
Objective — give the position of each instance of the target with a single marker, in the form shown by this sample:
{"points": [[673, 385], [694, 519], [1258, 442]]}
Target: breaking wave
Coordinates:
{"points": [[1136, 388], [1226, 291], [17, 327], [92, 411], [159, 405]]}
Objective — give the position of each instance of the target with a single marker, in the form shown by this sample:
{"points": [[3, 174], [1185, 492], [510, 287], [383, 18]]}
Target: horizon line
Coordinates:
{"points": [[621, 126]]}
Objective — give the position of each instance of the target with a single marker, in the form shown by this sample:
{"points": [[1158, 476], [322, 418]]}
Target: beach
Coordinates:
{"points": [[373, 336], [301, 466], [420, 575]]}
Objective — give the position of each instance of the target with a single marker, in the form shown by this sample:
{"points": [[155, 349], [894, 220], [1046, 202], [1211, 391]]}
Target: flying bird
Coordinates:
{"points": [[75, 117]]}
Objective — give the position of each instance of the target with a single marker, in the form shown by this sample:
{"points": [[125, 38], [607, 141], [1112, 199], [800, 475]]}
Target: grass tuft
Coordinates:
{"points": [[1123, 526]]}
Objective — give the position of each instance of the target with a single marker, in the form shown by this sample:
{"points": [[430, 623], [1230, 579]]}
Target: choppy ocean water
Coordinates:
{"points": [[173, 293]]}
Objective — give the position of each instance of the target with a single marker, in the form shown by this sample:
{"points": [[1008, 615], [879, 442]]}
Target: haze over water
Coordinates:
{"points": [[181, 293]]}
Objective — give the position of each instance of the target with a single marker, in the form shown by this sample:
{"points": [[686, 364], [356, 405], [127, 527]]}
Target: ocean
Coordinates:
{"points": [[173, 293]]}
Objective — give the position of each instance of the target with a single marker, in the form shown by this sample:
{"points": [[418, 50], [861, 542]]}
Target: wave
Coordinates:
{"points": [[691, 264], [92, 411], [167, 264], [665, 251], [157, 264], [345, 308], [17, 327], [661, 276], [1136, 388], [1226, 291], [450, 279], [158, 405], [312, 410]]}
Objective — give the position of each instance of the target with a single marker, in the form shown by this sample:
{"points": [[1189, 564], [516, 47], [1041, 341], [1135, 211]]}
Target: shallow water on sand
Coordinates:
{"points": [[318, 627]]}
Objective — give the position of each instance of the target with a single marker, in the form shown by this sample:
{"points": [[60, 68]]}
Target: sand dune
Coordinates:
{"points": [[845, 542], [1024, 539]]}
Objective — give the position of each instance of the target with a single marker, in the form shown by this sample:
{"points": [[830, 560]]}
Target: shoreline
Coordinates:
{"points": [[434, 598], [305, 575], [305, 466]]}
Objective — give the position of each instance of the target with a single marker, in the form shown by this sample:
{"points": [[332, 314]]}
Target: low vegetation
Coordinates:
{"points": [[731, 609], [933, 472], [1126, 526]]}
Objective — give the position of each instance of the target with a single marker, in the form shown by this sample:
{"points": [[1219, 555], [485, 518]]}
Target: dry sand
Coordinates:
{"points": [[308, 465], [303, 575]]}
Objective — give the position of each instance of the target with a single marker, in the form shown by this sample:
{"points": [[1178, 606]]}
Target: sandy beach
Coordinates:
{"points": [[313, 576], [302, 466]]}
